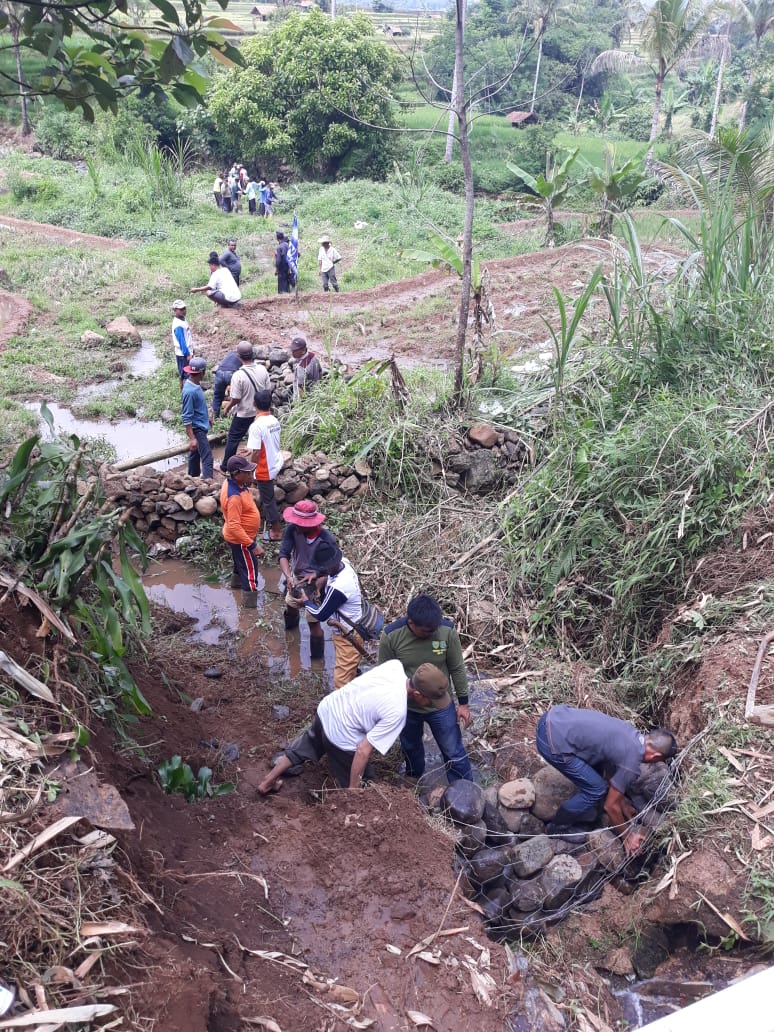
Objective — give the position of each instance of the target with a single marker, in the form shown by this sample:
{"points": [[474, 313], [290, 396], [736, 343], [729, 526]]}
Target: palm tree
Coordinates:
{"points": [[669, 31], [759, 15]]}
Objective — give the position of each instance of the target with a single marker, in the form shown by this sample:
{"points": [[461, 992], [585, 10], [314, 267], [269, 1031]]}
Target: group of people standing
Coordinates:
{"points": [[230, 187]]}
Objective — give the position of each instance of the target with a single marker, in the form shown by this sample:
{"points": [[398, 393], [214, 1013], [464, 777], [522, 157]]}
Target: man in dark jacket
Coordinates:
{"points": [[601, 755], [281, 267], [424, 636], [230, 260], [223, 373]]}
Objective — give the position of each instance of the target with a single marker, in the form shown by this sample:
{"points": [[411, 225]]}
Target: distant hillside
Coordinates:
{"points": [[404, 6]]}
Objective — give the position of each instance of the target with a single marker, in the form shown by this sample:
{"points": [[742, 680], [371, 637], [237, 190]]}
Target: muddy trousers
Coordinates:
{"points": [[245, 566], [592, 787], [313, 744], [347, 661], [446, 732]]}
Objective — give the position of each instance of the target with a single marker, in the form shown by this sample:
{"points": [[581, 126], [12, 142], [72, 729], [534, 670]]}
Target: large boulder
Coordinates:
{"points": [[484, 435], [531, 855], [551, 790], [207, 506], [122, 331], [559, 879], [488, 864], [482, 474], [517, 795], [526, 895], [464, 802]]}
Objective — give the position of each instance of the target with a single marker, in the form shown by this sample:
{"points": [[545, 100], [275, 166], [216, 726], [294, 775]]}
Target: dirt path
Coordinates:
{"points": [[57, 234]]}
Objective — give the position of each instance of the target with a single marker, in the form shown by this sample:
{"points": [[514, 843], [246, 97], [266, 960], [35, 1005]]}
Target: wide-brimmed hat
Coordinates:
{"points": [[239, 464], [179, 303], [304, 514], [433, 683], [196, 365], [323, 240]]}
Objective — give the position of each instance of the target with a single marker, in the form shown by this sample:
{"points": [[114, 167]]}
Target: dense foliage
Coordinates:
{"points": [[312, 92]]}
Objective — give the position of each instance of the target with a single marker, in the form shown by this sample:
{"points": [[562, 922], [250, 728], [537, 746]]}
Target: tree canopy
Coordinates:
{"points": [[309, 93], [92, 53]]}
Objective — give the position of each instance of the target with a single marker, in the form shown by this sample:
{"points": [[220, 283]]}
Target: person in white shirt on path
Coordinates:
{"points": [[366, 714], [221, 288], [327, 257]]}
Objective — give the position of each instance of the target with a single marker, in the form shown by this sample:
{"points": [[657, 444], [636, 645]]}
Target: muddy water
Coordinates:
{"points": [[140, 364], [220, 620]]}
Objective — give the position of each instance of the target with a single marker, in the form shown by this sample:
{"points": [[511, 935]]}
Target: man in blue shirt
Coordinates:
{"points": [[181, 338], [196, 420], [230, 260], [601, 755]]}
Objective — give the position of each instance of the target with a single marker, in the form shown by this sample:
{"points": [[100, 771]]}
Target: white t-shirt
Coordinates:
{"points": [[221, 279], [244, 383], [265, 430], [327, 258], [373, 706]]}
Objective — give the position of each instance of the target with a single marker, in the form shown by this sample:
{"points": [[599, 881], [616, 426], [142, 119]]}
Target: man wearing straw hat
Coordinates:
{"points": [[327, 257], [303, 535]]}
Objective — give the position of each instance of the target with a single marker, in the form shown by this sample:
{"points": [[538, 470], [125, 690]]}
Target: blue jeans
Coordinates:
{"points": [[200, 461], [238, 429], [222, 380], [446, 732], [592, 787]]}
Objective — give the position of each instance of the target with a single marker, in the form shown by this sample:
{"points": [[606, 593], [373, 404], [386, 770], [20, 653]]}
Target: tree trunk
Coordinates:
{"points": [[718, 88], [656, 117], [750, 77], [550, 233], [458, 102], [452, 115], [13, 26], [537, 71]]}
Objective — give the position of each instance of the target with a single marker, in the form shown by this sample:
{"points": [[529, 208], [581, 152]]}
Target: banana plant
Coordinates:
{"points": [[551, 188], [615, 183]]}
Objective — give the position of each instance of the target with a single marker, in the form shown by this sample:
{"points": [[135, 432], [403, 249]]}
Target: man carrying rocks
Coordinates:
{"points": [[307, 371], [586, 746], [245, 383], [303, 536], [424, 636], [196, 420], [366, 714]]}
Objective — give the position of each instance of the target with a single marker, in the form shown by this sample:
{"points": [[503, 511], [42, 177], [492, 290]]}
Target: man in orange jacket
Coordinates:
{"points": [[242, 523]]}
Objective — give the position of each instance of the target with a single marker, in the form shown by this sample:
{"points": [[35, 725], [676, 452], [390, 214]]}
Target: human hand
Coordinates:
{"points": [[632, 842], [463, 714], [193, 446]]}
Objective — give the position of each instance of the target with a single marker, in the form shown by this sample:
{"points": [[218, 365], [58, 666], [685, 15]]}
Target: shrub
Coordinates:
{"points": [[63, 134], [43, 191], [636, 123]]}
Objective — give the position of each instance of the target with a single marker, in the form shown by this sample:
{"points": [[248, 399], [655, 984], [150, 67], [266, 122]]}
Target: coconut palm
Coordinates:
{"points": [[669, 31], [759, 15]]}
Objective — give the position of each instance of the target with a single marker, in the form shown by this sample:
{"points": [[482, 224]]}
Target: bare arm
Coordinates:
{"points": [[360, 762]]}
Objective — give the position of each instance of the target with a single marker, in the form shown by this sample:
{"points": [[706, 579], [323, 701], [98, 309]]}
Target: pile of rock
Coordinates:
{"points": [[522, 877], [481, 461]]}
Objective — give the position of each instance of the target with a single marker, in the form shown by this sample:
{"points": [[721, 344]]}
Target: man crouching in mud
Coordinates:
{"points": [[366, 714]]}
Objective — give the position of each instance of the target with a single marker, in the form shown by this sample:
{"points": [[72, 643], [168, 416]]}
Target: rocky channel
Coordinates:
{"points": [[522, 878]]}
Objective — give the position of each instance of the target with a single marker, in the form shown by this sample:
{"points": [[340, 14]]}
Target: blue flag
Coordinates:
{"points": [[293, 248]]}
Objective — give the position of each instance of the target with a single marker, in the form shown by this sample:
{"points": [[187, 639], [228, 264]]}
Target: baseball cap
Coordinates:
{"points": [[239, 464], [179, 303], [432, 683], [298, 342], [245, 349], [325, 556], [196, 365]]}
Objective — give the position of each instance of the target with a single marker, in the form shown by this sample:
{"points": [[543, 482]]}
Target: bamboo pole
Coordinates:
{"points": [[165, 453]]}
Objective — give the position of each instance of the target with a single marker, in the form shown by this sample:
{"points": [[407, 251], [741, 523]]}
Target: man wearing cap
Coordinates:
{"points": [[196, 420], [281, 267], [341, 603], [307, 371], [327, 257], [303, 535], [242, 522], [181, 338], [220, 288], [366, 714], [424, 636], [245, 383], [263, 443], [230, 260]]}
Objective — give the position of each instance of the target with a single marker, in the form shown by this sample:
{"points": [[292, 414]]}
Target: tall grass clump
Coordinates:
{"points": [[392, 426], [657, 447]]}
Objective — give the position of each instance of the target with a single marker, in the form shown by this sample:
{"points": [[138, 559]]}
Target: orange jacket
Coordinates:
{"points": [[243, 521]]}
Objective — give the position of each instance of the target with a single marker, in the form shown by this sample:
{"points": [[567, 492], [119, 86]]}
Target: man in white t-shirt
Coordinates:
{"points": [[263, 442], [221, 288], [327, 257], [366, 714], [341, 605]]}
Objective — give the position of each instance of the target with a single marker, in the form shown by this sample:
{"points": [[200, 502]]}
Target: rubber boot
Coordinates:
{"points": [[236, 581], [317, 648], [566, 820], [249, 599], [292, 619]]}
